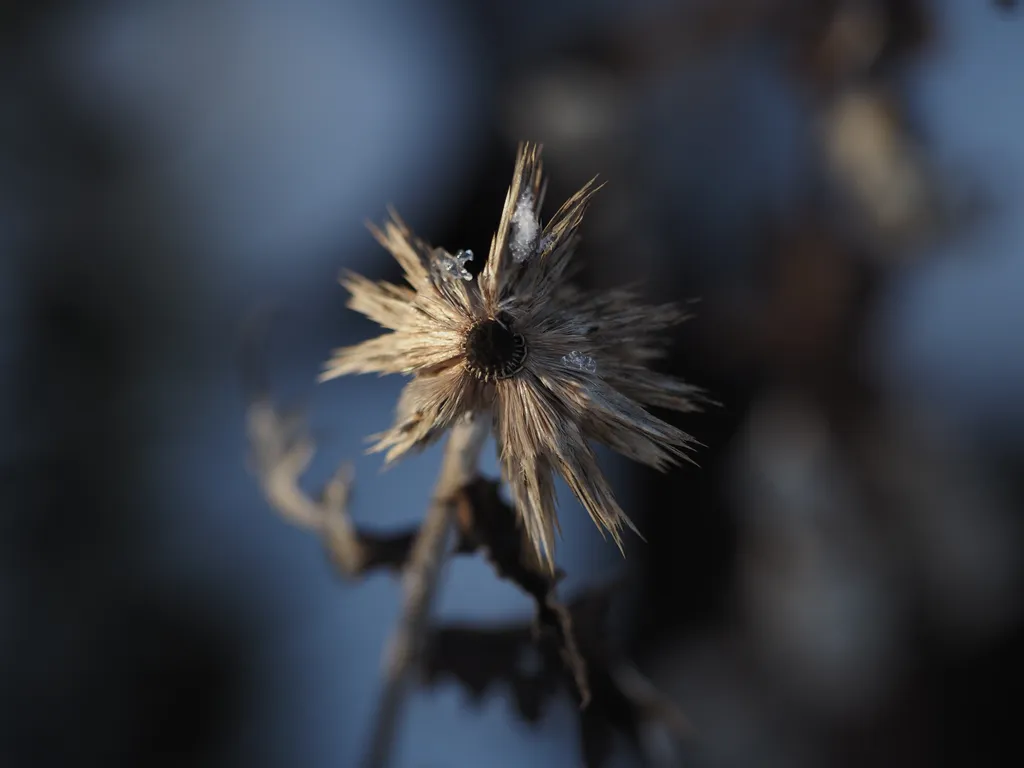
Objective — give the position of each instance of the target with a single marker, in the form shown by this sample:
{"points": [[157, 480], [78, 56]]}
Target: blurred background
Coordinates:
{"points": [[837, 188]]}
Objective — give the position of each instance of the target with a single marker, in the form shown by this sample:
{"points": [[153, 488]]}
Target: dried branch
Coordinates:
{"points": [[487, 523], [421, 577], [621, 698], [281, 451]]}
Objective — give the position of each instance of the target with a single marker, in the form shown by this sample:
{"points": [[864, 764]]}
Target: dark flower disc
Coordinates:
{"points": [[494, 350]]}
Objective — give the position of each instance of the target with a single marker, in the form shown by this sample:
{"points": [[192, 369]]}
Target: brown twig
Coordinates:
{"points": [[420, 581], [623, 701], [281, 452]]}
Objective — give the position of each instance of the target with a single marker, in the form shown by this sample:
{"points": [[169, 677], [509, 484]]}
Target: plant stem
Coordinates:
{"points": [[420, 581]]}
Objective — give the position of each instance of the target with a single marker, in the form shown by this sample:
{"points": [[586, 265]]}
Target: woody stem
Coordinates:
{"points": [[420, 581]]}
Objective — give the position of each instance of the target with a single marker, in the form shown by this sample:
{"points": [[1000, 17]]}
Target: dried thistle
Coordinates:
{"points": [[557, 366]]}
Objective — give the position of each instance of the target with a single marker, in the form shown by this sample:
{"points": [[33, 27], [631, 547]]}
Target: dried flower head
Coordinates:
{"points": [[558, 367]]}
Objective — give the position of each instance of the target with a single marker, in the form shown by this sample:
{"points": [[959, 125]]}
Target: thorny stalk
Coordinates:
{"points": [[421, 578]]}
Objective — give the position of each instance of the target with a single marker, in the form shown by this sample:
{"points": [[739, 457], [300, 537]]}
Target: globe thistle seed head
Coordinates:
{"points": [[558, 367]]}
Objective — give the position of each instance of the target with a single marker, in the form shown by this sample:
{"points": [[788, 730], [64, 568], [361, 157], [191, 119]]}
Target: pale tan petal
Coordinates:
{"points": [[409, 251], [500, 268], [538, 431], [656, 389], [402, 309], [578, 465], [546, 274], [525, 427], [616, 320], [566, 447], [426, 408], [610, 417], [397, 352], [532, 484], [388, 305]]}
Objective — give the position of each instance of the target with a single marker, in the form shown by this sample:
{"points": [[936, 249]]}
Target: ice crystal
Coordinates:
{"points": [[525, 229], [579, 361], [454, 267]]}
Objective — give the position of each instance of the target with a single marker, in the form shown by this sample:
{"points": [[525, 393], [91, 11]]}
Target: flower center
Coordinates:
{"points": [[494, 350]]}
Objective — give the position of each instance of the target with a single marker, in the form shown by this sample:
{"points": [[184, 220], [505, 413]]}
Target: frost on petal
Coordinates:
{"points": [[453, 267], [580, 362], [525, 229]]}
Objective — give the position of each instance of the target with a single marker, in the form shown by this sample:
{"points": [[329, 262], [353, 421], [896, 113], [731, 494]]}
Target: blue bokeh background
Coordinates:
{"points": [[180, 165]]}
